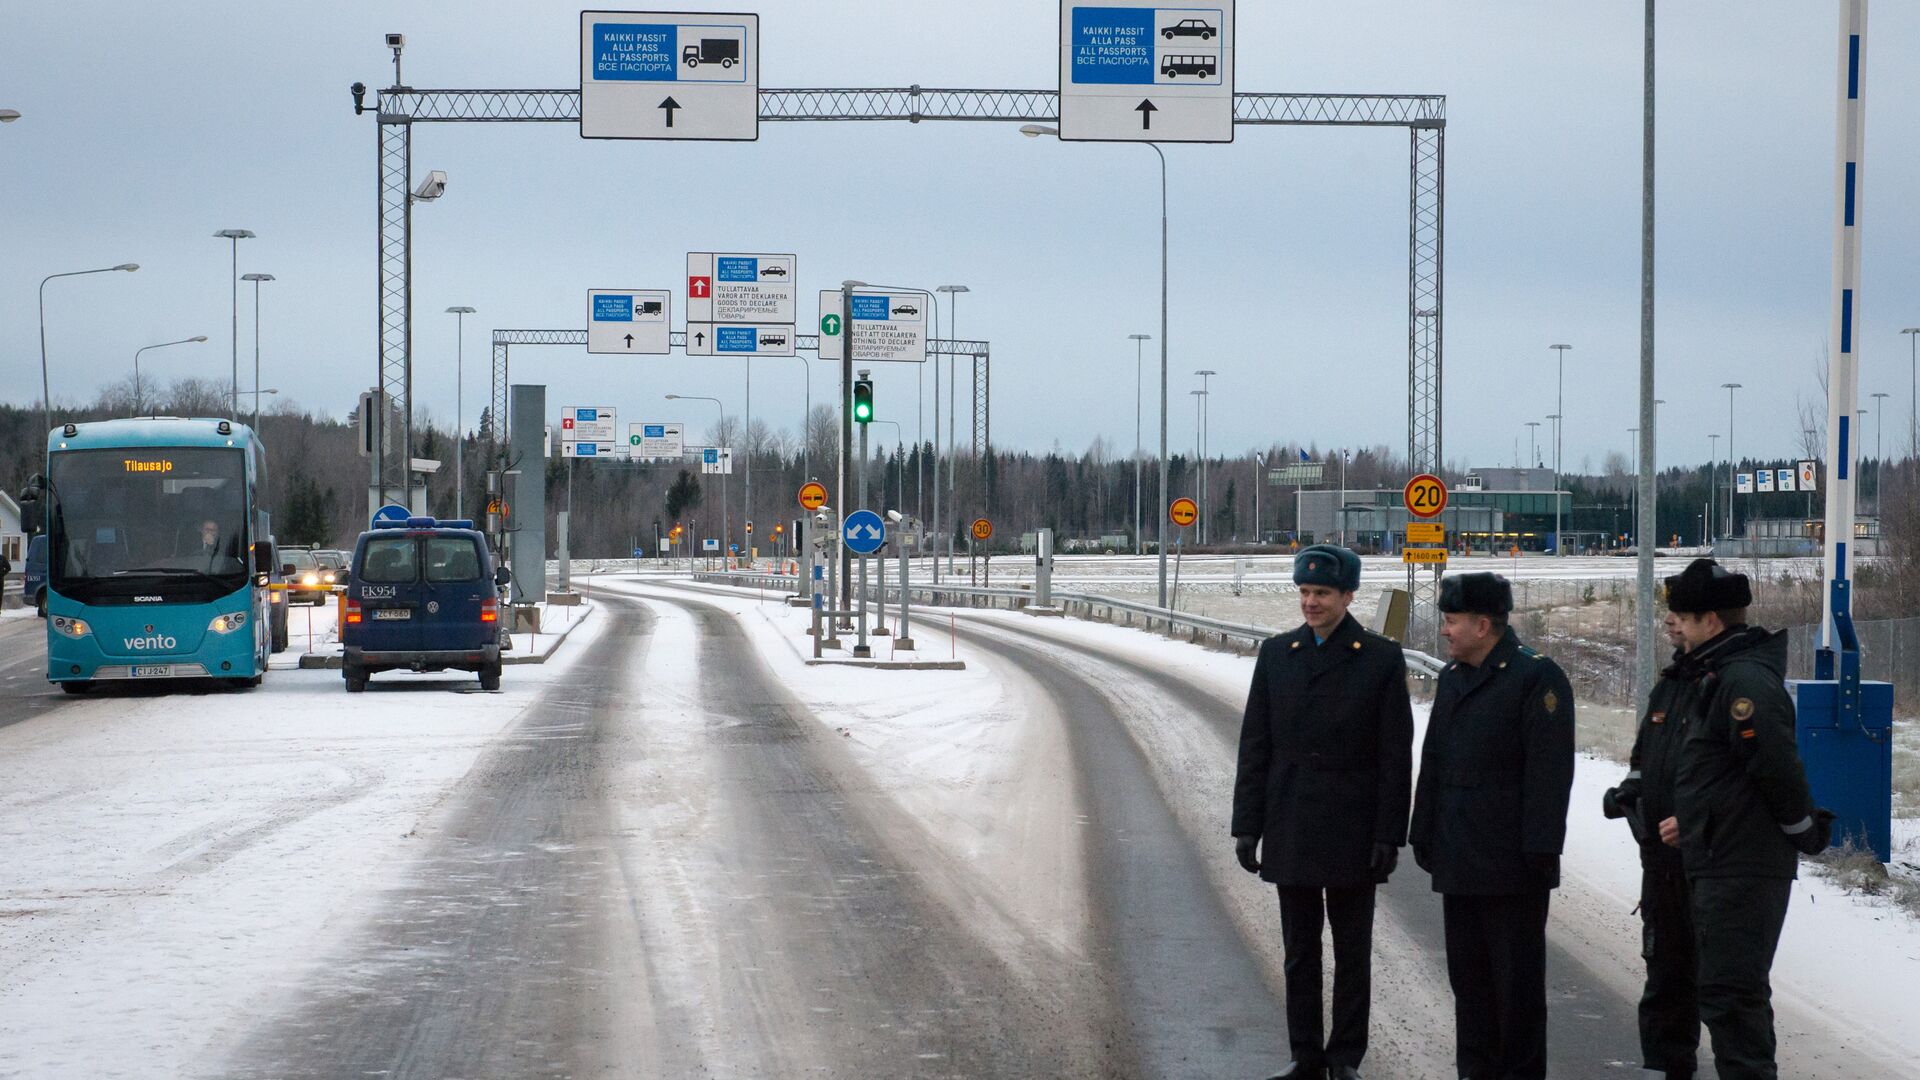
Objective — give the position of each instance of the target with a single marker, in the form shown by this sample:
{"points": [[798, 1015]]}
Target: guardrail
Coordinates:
{"points": [[1091, 606]]}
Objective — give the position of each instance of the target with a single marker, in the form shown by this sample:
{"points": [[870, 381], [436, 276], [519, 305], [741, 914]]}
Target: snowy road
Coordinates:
{"points": [[678, 850]]}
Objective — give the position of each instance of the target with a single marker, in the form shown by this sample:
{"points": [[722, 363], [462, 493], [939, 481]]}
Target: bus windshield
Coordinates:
{"points": [[166, 523]]}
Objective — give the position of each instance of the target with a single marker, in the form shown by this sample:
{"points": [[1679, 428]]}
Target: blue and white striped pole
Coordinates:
{"points": [[1843, 378]]}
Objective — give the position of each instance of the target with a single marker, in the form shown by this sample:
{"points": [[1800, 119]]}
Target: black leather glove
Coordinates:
{"points": [[1244, 848], [1545, 868], [1814, 840], [1385, 858], [1616, 802]]}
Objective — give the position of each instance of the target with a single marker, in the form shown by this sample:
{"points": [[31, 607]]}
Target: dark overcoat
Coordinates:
{"points": [[1496, 771], [1740, 790], [1326, 756]]}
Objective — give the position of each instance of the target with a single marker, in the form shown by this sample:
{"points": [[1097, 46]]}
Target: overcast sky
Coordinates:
{"points": [[147, 127]]}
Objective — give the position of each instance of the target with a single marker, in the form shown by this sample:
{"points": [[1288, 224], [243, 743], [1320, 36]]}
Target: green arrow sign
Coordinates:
{"points": [[633, 440], [830, 325]]}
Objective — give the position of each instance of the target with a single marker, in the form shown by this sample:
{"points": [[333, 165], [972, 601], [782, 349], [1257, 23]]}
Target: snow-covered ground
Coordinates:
{"points": [[1848, 968], [173, 861]]}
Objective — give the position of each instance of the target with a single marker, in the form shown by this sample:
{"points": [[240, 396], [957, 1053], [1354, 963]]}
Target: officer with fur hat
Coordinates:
{"points": [[1669, 1003], [1489, 821], [1742, 813], [1320, 800]]}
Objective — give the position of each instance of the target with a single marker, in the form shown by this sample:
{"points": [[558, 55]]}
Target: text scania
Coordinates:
{"points": [[153, 641]]}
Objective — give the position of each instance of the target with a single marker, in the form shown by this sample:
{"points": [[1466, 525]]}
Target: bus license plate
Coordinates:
{"points": [[393, 613], [149, 671]]}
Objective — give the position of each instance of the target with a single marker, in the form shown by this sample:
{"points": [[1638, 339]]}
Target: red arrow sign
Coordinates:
{"points": [[699, 286]]}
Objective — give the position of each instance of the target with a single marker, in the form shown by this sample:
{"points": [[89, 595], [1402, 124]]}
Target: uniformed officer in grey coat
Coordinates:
{"points": [[1489, 820], [1742, 813], [1320, 800]]}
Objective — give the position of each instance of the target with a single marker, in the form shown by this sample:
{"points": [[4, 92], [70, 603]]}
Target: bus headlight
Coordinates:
{"points": [[73, 628], [227, 624]]}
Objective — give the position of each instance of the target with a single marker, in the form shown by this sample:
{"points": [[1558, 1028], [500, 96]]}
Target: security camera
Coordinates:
{"points": [[396, 41], [894, 516], [434, 186]]}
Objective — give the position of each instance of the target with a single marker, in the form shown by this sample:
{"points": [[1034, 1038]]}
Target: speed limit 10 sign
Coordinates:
{"points": [[1426, 496]]}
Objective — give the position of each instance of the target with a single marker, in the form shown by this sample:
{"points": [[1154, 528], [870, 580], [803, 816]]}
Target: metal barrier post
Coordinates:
{"points": [[904, 639], [861, 648]]}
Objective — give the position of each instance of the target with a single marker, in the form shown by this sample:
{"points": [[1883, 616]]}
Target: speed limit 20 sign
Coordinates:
{"points": [[1426, 496]]}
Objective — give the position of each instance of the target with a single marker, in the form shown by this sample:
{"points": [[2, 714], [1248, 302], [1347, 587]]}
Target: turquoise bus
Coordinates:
{"points": [[158, 554]]}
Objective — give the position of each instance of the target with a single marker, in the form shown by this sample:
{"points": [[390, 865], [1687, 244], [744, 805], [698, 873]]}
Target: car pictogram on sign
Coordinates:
{"points": [[1190, 28], [906, 309], [773, 271]]}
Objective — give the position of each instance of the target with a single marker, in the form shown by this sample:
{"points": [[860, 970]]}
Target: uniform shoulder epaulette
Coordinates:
{"points": [[1530, 653]]}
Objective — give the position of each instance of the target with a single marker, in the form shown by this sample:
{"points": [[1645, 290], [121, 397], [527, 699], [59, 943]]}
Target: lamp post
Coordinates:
{"points": [[138, 397], [1259, 478], [1558, 547], [1559, 442], [1533, 447], [899, 449], [234, 236], [256, 279], [256, 392], [1913, 392], [953, 398], [1730, 387], [1036, 130], [1879, 446], [1205, 415], [725, 525], [1633, 470], [46, 395], [1713, 484], [806, 444], [1139, 353], [459, 313]]}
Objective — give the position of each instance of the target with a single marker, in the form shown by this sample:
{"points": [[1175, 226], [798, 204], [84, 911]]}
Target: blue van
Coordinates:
{"points": [[423, 595], [33, 575]]}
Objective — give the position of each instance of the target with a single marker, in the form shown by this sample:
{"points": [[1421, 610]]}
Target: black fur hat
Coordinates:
{"points": [[1706, 586], [1476, 594]]}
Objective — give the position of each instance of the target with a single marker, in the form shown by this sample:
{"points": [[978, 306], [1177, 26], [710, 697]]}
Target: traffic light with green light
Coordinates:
{"points": [[863, 401]]}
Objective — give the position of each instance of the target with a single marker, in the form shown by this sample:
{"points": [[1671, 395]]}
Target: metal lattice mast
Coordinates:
{"points": [[1425, 199], [390, 461]]}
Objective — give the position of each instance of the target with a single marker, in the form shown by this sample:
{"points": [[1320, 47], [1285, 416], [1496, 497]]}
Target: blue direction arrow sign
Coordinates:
{"points": [[392, 512], [864, 531]]}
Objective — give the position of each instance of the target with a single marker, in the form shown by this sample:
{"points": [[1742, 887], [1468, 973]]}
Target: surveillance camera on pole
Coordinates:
{"points": [[434, 186]]}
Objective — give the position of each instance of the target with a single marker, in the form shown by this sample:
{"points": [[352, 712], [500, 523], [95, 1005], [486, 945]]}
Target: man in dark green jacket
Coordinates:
{"points": [[1670, 1004], [1742, 814], [1489, 821], [1320, 800]]}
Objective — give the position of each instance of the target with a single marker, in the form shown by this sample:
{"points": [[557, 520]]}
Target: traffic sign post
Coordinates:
{"points": [[656, 442], [888, 327], [669, 75], [1134, 71], [1425, 497], [864, 532], [631, 321]]}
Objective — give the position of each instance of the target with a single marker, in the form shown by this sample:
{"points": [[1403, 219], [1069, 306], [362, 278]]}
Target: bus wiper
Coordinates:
{"points": [[172, 570]]}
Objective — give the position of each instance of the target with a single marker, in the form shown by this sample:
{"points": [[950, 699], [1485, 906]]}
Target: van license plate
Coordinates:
{"points": [[149, 671], [393, 613]]}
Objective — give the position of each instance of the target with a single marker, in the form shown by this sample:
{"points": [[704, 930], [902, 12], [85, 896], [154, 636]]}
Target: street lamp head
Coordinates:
{"points": [[1139, 337], [8, 116], [1911, 330], [198, 337], [1206, 371], [1879, 395], [1730, 386], [256, 277], [235, 234], [128, 267], [460, 310], [673, 397], [1034, 131], [952, 289], [1559, 346]]}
